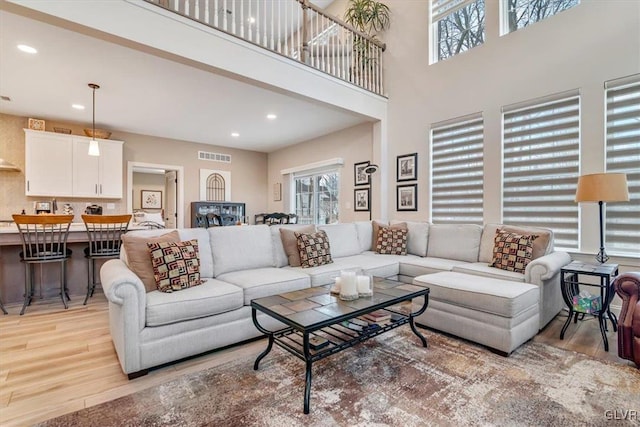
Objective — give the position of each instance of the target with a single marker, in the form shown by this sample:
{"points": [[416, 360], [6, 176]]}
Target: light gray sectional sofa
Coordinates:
{"points": [[241, 263]]}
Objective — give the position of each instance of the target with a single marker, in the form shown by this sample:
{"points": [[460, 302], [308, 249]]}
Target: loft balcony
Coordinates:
{"points": [[296, 29]]}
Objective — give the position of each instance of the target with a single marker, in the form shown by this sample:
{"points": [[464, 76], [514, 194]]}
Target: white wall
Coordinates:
{"points": [[580, 48]]}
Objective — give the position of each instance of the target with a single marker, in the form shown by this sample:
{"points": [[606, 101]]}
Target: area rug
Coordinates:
{"points": [[389, 381]]}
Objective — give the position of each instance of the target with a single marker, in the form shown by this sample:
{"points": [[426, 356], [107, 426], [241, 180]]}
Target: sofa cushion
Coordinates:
{"points": [[374, 264], [138, 258], [454, 241], [495, 296], [314, 249], [210, 298], [264, 282], [175, 265], [343, 239], [240, 248], [484, 270], [204, 248], [511, 251], [365, 234], [392, 241], [326, 274], [375, 226], [289, 242], [413, 266], [417, 237], [543, 245]]}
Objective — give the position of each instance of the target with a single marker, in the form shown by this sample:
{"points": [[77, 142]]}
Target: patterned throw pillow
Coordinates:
{"points": [[314, 249], [176, 266], [511, 251], [392, 241]]}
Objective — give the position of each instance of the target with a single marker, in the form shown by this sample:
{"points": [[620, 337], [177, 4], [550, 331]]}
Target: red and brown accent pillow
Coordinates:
{"points": [[314, 249], [176, 266], [392, 241], [511, 251]]}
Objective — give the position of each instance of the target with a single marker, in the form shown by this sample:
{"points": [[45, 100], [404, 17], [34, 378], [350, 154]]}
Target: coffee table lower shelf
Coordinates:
{"points": [[340, 333]]}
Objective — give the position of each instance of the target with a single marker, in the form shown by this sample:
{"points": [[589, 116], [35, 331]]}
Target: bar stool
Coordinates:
{"points": [[44, 240], [105, 232], [4, 310]]}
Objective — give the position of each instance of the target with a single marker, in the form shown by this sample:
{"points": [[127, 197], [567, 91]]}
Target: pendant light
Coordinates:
{"points": [[94, 147]]}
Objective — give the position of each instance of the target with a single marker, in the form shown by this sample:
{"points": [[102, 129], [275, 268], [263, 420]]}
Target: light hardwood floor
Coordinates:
{"points": [[54, 361]]}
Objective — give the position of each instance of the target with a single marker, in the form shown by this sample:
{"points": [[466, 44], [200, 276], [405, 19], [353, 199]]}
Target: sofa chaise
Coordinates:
{"points": [[241, 263]]}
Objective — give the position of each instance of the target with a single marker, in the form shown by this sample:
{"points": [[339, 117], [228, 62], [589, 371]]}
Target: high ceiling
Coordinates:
{"points": [[145, 94]]}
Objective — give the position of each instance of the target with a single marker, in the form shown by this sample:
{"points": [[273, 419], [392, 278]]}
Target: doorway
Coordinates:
{"points": [[167, 179]]}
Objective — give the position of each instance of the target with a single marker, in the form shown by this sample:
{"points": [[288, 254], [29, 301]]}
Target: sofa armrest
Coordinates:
{"points": [[545, 267], [127, 312]]}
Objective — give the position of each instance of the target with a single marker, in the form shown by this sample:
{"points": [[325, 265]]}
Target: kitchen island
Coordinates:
{"points": [[46, 280]]}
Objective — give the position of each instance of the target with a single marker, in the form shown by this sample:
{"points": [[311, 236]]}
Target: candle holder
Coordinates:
{"points": [[364, 286]]}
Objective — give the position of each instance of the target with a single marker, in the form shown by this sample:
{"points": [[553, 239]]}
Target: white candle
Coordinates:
{"points": [[348, 286], [364, 285], [335, 289]]}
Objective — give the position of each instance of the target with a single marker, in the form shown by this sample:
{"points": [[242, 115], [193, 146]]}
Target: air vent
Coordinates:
{"points": [[5, 98], [214, 157]]}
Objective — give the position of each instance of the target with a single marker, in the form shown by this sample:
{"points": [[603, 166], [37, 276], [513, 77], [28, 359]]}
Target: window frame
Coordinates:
{"points": [[313, 174], [440, 10], [504, 17]]}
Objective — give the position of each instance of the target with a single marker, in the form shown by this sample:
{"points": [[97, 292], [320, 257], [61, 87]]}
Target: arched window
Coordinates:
{"points": [[215, 187]]}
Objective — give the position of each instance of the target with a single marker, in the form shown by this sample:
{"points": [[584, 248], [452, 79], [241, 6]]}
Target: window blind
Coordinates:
{"points": [[623, 155], [457, 171], [541, 154]]}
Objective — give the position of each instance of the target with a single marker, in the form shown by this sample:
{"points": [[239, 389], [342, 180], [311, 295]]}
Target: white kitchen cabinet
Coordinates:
{"points": [[97, 176], [59, 165], [48, 165]]}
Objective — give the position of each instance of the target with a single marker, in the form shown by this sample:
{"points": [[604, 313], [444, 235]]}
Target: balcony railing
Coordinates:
{"points": [[296, 29]]}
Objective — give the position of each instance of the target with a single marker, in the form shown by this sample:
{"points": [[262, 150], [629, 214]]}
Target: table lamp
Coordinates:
{"points": [[601, 188]]}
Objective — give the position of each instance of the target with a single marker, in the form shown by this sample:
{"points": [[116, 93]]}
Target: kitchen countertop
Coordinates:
{"points": [[9, 234]]}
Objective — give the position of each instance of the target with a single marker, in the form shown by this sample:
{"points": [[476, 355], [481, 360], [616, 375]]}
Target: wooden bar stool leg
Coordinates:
{"points": [[4, 310]]}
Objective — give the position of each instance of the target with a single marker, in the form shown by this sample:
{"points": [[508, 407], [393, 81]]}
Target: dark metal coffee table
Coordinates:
{"points": [[320, 324]]}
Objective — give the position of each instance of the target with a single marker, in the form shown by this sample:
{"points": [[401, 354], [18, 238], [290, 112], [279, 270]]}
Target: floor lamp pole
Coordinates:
{"points": [[602, 255]]}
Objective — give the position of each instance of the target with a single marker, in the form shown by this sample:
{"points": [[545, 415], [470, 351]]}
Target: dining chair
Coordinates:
{"points": [[105, 239], [44, 240]]}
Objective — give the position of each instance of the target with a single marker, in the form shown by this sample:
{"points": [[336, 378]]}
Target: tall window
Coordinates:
{"points": [[316, 197], [623, 155], [456, 26], [541, 165], [517, 14], [457, 170]]}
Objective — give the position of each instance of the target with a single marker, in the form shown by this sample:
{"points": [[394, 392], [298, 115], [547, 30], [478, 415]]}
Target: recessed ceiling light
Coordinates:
{"points": [[235, 134], [77, 106], [27, 49], [271, 116]]}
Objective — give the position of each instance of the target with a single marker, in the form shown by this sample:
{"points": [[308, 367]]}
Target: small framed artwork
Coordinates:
{"points": [[151, 199], [361, 199], [360, 176], [277, 192], [407, 197], [36, 124], [407, 167]]}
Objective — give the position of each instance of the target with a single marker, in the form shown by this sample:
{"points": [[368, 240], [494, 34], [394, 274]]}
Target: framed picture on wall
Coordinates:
{"points": [[277, 192], [407, 197], [407, 167], [361, 198], [151, 199], [360, 177]]}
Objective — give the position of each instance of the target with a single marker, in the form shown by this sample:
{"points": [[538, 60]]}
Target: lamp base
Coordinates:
{"points": [[602, 256]]}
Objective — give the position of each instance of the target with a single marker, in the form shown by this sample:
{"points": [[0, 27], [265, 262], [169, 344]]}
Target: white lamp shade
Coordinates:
{"points": [[602, 187], [94, 148]]}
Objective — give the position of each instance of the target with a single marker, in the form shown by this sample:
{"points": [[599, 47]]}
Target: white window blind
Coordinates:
{"points": [[541, 154], [623, 155], [457, 170]]}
